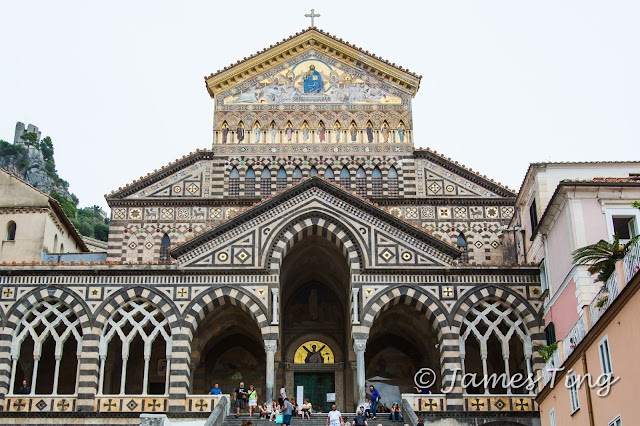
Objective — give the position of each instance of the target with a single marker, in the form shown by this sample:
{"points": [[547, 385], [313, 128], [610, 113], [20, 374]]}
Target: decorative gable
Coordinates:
{"points": [[260, 237], [187, 177], [438, 176]]}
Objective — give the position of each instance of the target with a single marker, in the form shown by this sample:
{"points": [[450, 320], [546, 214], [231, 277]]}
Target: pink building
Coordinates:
{"points": [[562, 207]]}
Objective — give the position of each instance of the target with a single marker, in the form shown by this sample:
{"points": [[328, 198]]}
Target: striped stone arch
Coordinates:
{"points": [[532, 319], [315, 223], [423, 301], [22, 307], [217, 297], [125, 295]]}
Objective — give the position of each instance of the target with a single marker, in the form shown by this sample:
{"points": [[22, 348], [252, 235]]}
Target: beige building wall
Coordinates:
{"points": [[623, 334]]}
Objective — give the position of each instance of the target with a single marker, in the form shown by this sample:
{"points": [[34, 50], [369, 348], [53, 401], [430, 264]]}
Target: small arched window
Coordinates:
{"points": [[164, 248], [328, 174], [297, 174], [265, 182], [313, 171], [234, 182], [392, 180], [11, 231], [61, 248], [361, 182], [55, 243], [281, 182], [376, 182], [345, 178], [250, 183], [461, 242]]}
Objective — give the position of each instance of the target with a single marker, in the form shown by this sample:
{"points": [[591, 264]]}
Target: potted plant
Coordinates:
{"points": [[602, 301], [602, 256], [546, 352]]}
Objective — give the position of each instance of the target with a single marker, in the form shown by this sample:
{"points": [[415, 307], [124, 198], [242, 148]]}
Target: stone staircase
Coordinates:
{"points": [[317, 419]]}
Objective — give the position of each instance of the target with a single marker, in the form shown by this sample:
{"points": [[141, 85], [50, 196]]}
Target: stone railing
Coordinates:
{"points": [[39, 403], [219, 413], [575, 336], [501, 403], [426, 402]]}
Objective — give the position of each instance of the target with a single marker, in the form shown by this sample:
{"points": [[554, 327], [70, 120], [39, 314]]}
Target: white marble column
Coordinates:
{"points": [[356, 305], [359, 346], [270, 347], [275, 302]]}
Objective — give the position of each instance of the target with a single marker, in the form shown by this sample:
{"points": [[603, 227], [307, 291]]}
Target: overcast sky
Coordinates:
{"points": [[119, 87]]}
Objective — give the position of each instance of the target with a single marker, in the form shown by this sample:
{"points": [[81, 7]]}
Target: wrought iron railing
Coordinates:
{"points": [[547, 370], [575, 336]]}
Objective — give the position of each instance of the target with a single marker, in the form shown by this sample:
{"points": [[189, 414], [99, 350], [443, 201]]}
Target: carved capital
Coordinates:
{"points": [[270, 345], [359, 345]]}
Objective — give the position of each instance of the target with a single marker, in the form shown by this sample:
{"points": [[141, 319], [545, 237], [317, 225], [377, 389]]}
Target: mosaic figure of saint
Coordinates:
{"points": [[314, 356], [336, 131], [369, 132], [354, 133], [272, 132], [385, 132], [240, 132], [401, 132], [289, 132], [256, 132], [225, 132], [305, 132], [312, 81], [322, 132]]}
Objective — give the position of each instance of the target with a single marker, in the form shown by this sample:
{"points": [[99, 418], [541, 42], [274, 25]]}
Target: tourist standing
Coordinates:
{"points": [[335, 417], [252, 396], [375, 398], [25, 389], [240, 398], [283, 395], [287, 411], [215, 390]]}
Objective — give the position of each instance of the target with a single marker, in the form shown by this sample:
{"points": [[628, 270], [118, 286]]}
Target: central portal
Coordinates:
{"points": [[318, 387], [314, 329]]}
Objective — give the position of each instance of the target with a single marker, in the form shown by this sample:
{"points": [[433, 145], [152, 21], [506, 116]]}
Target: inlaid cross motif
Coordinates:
{"points": [[154, 405], [447, 292], [8, 292], [182, 292], [430, 405], [110, 404], [19, 404], [63, 405], [477, 405], [312, 15], [521, 405], [201, 405]]}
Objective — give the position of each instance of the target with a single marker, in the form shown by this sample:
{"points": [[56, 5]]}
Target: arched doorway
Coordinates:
{"points": [[228, 349], [402, 341], [314, 332]]}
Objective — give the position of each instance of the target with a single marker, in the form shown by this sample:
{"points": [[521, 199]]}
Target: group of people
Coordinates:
{"points": [[288, 408]]}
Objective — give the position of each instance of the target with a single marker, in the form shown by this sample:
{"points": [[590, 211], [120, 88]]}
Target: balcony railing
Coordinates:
{"points": [[547, 370]]}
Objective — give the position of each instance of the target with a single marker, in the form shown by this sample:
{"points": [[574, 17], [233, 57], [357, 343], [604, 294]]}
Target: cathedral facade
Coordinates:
{"points": [[311, 246]]}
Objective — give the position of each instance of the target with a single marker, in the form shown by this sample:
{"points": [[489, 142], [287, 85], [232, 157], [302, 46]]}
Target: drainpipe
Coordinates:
{"points": [[589, 402]]}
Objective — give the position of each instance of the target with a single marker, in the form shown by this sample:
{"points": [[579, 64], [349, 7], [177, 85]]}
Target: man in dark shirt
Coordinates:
{"points": [[25, 389], [241, 398], [361, 418]]}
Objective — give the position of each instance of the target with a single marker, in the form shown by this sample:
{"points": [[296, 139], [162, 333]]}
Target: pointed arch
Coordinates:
{"points": [[345, 177], [281, 179], [361, 182], [165, 243], [313, 171], [234, 182], [265, 182], [461, 243], [297, 174], [328, 173], [392, 181], [250, 182], [376, 182]]}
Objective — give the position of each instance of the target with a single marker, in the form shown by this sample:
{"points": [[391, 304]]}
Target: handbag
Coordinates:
{"points": [[279, 419]]}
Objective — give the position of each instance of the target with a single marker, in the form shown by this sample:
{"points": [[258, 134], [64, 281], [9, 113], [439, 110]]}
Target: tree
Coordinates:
{"points": [[46, 147], [602, 256], [29, 138]]}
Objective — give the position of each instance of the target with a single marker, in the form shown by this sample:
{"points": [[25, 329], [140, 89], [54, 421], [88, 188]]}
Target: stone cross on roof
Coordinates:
{"points": [[312, 15]]}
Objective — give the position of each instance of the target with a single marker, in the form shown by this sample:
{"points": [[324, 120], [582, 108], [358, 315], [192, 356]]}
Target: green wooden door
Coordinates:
{"points": [[316, 388]]}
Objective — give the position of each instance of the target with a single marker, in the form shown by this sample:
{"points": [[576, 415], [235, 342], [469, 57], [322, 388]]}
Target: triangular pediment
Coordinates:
{"points": [[439, 176], [280, 59], [187, 177], [252, 239]]}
